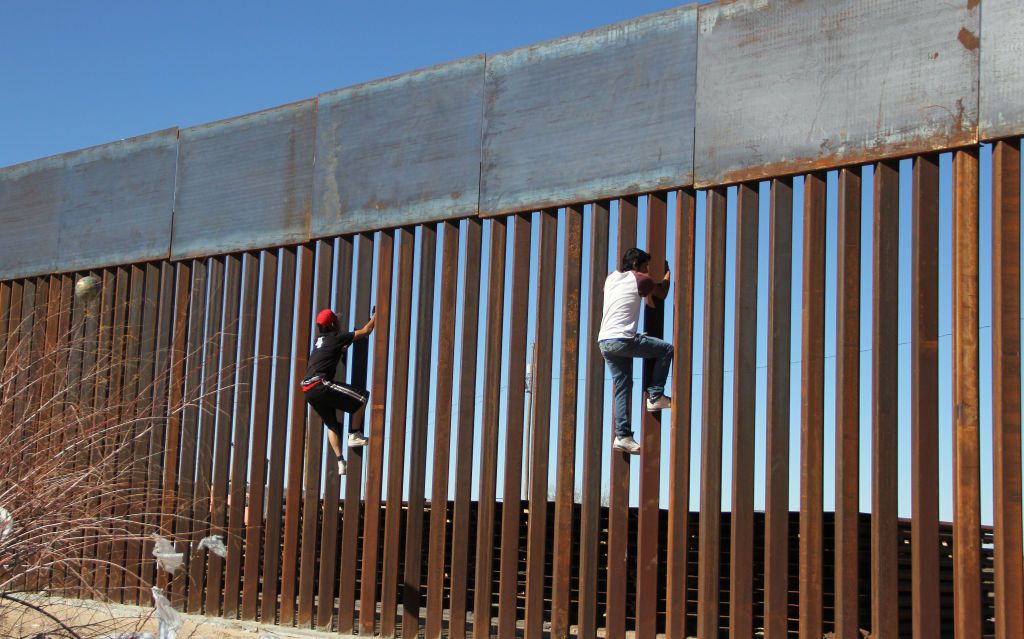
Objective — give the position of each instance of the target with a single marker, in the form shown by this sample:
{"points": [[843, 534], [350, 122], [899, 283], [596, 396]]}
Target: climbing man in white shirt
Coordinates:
{"points": [[620, 342]]}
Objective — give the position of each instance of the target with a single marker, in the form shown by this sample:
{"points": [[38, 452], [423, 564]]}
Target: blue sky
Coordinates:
{"points": [[80, 74]]}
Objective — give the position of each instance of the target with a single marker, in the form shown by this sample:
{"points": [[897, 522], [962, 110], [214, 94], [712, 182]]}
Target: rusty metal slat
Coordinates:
{"points": [[489, 433], [924, 398], [371, 518], [780, 290], [261, 396], [812, 409], [297, 428], [115, 412], [5, 309], [176, 404], [741, 553], [314, 442], [164, 298], [238, 487], [884, 393], [55, 357], [511, 511], [69, 380], [561, 598], [226, 411], [412, 586], [436, 544], [711, 420], [328, 570], [593, 419], [399, 394], [141, 460], [679, 442], [1006, 424], [618, 511], [650, 448], [209, 350], [285, 321], [847, 438], [966, 401], [353, 478], [540, 411], [129, 509], [466, 429]]}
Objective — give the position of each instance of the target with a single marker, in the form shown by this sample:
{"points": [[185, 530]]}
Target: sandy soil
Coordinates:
{"points": [[94, 620]]}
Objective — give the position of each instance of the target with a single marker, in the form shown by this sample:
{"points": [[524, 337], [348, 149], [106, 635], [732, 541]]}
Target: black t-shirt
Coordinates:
{"points": [[328, 349]]}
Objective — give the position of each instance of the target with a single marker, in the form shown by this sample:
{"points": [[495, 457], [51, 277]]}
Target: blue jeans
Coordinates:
{"points": [[619, 354]]}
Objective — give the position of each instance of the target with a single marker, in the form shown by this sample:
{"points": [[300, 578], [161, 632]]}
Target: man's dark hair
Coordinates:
{"points": [[633, 258]]}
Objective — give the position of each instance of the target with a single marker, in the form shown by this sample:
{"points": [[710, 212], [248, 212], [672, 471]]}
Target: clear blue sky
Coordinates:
{"points": [[80, 74]]}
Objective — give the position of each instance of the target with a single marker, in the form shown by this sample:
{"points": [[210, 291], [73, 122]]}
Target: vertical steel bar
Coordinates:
{"points": [[467, 427], [812, 410], [1006, 424], [593, 420], [925, 402], [313, 448], [618, 511], [297, 434], [225, 413], [396, 445], [561, 598], [70, 380], [374, 471], [741, 553], [5, 314], [711, 437], [847, 439], [436, 544], [540, 441], [511, 511], [327, 575], [353, 477], [128, 505], [211, 349], [966, 421], [238, 493], [176, 403], [412, 593], [487, 473], [884, 393], [650, 448], [255, 522], [285, 315], [780, 284], [679, 442]]}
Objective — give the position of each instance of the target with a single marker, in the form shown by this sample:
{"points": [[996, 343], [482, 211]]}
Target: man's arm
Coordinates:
{"points": [[661, 288], [365, 330]]}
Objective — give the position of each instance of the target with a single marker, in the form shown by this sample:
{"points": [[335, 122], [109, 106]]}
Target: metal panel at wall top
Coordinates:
{"points": [[246, 182], [791, 85], [399, 151], [1002, 69], [104, 205], [596, 114]]}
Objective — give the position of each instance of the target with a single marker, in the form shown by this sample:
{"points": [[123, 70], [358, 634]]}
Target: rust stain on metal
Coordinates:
{"points": [[969, 39]]}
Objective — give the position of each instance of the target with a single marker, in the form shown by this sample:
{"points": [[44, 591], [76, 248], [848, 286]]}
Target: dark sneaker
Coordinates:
{"points": [[661, 403], [626, 445]]}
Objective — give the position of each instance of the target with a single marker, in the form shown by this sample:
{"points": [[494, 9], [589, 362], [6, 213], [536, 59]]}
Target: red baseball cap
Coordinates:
{"points": [[326, 319]]}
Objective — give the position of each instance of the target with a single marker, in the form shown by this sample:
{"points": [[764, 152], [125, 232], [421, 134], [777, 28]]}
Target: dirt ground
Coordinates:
{"points": [[95, 620]]}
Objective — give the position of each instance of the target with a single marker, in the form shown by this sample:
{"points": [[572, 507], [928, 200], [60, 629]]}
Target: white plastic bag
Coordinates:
{"points": [[166, 558], [168, 617], [6, 524], [214, 544]]}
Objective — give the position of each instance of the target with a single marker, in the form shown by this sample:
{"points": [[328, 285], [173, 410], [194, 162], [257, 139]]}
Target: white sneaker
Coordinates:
{"points": [[342, 467], [626, 445], [661, 403], [357, 440]]}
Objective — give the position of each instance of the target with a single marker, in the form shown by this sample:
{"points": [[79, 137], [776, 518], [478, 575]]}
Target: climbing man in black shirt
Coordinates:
{"points": [[330, 398]]}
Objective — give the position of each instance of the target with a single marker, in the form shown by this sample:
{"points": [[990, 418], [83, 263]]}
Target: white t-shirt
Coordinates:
{"points": [[623, 294]]}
